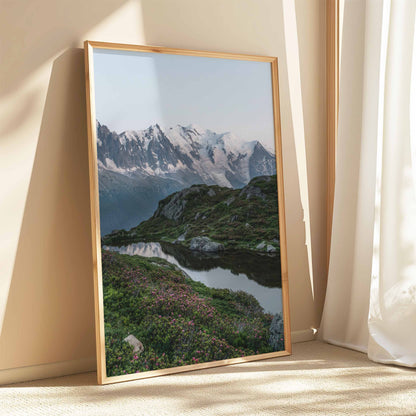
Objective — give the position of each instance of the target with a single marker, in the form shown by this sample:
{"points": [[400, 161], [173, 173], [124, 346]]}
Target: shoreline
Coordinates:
{"points": [[186, 245], [260, 267]]}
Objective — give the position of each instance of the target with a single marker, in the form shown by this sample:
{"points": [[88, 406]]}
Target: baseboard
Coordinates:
{"points": [[303, 335], [64, 368], [37, 372]]}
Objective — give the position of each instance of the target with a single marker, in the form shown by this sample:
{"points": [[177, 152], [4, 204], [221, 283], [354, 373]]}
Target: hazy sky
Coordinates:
{"points": [[136, 89]]}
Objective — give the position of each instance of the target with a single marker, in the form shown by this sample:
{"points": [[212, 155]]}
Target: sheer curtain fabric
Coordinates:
{"points": [[370, 303]]}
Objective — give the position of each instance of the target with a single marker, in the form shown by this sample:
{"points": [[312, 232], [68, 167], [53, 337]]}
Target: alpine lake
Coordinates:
{"points": [[258, 274]]}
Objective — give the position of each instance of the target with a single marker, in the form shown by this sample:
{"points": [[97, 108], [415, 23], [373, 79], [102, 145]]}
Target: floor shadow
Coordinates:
{"points": [[314, 357], [55, 242]]}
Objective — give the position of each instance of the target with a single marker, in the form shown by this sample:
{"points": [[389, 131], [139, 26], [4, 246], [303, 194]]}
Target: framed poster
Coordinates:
{"points": [[187, 209]]}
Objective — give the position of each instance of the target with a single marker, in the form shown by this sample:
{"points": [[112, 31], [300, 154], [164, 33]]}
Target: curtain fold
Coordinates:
{"points": [[371, 295]]}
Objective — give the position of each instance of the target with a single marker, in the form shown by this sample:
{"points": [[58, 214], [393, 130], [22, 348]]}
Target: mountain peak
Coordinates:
{"points": [[155, 127], [260, 147], [195, 127], [189, 154]]}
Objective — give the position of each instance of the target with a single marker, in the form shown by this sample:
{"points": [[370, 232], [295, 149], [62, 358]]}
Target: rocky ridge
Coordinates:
{"points": [[212, 218]]}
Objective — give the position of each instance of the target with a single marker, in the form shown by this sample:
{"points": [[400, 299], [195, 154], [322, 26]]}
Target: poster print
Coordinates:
{"points": [[187, 209]]}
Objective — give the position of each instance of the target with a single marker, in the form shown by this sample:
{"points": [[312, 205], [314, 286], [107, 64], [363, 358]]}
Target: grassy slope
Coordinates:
{"points": [[179, 321], [243, 223]]}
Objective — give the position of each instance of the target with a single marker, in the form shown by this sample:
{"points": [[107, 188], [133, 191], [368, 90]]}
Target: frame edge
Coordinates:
{"points": [[177, 51], [332, 96], [95, 213], [281, 204], [194, 367]]}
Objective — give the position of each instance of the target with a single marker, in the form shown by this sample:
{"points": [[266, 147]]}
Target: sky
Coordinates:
{"points": [[134, 90]]}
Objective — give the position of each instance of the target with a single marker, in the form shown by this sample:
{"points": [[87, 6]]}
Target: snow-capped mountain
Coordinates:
{"points": [[187, 154], [139, 168]]}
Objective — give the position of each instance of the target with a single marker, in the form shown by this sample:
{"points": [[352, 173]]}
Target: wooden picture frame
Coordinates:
{"points": [[114, 260], [332, 100]]}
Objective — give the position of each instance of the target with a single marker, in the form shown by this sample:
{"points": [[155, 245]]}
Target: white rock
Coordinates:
{"points": [[205, 244], [135, 343]]}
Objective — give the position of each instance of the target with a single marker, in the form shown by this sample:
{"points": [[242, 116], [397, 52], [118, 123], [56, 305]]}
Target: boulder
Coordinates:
{"points": [[276, 339], [205, 244], [182, 237], [251, 191], [211, 192], [229, 201], [270, 249], [261, 245], [138, 347]]}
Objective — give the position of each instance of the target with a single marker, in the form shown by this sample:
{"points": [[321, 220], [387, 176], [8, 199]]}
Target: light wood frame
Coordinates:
{"points": [[95, 214], [332, 87]]}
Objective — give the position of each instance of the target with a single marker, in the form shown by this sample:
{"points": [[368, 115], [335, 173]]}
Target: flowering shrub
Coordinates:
{"points": [[179, 321]]}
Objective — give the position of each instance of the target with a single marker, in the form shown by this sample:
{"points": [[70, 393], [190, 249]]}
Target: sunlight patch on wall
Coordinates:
{"points": [[295, 92]]}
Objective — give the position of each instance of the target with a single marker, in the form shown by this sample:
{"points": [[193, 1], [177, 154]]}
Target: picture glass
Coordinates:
{"points": [[188, 209]]}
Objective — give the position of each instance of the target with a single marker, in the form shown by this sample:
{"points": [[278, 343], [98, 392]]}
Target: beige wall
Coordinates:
{"points": [[46, 292]]}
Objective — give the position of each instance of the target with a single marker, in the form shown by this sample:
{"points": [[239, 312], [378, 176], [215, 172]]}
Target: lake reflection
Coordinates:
{"points": [[254, 273]]}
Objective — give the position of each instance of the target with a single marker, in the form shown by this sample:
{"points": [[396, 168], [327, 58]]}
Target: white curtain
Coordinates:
{"points": [[370, 303]]}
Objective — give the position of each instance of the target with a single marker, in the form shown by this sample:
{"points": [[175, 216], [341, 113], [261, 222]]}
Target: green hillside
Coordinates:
{"points": [[235, 218], [177, 320]]}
